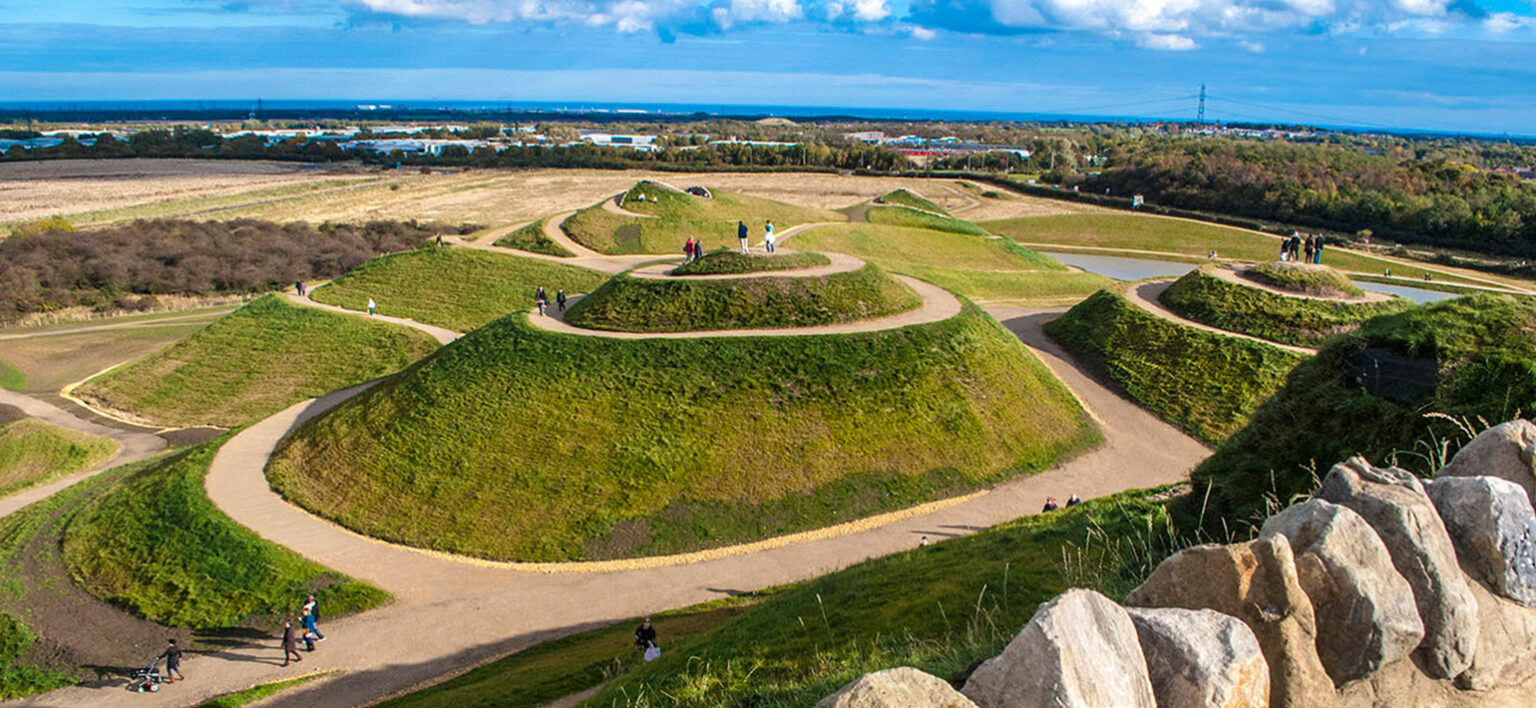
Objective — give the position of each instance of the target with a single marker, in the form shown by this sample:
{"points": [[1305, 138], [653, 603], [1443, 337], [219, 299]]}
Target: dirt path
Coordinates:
{"points": [[611, 204], [1237, 278], [840, 263], [554, 230], [1145, 295], [442, 335], [163, 322], [135, 446]]}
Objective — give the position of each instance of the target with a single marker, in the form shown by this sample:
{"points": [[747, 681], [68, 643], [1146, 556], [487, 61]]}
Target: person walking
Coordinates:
{"points": [[172, 656], [645, 636], [560, 299], [298, 288], [540, 298], [741, 233], [1311, 247], [769, 237], [1050, 504], [439, 240], [310, 617], [290, 644], [371, 307], [689, 254]]}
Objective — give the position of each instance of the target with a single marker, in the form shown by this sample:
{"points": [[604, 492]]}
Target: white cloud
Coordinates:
{"points": [[623, 15], [1167, 42], [1255, 47], [1501, 22], [870, 10], [922, 33], [740, 12], [833, 10]]}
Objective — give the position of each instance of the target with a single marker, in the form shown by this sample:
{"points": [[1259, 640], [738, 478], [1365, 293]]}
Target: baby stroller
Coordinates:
{"points": [[146, 679]]}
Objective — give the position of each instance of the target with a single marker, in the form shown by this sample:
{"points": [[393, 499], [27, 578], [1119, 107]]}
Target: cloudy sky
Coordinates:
{"points": [[1457, 65]]}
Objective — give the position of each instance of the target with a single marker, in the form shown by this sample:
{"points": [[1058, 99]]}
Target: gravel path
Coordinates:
{"points": [[1145, 295], [1233, 276]]}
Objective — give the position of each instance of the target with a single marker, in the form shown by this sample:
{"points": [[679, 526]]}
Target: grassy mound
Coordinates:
{"points": [[629, 304], [152, 542], [33, 452], [908, 198], [255, 361], [901, 216], [1469, 357], [531, 238], [1226, 305], [1208, 384], [514, 443], [456, 288], [677, 217], [1313, 279], [729, 262], [983, 269]]}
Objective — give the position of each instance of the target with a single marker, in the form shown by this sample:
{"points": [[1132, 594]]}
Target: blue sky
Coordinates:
{"points": [[1459, 65]]}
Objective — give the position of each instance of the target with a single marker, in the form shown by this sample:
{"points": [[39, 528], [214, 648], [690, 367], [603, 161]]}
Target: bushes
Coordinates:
{"points": [[1237, 308], [104, 268], [729, 262]]}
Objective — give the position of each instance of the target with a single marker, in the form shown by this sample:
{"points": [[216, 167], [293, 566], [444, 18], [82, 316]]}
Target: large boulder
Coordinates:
{"points": [[1255, 582], [1366, 617], [1506, 451], [1493, 528], [1080, 649], [1201, 658], [897, 688], [1394, 503]]}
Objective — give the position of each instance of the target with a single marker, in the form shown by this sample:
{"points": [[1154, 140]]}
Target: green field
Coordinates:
{"points": [[907, 198], [456, 288], [531, 238], [730, 262], [1321, 281], [1191, 238], [1208, 384], [33, 452], [1252, 311], [901, 216], [678, 217], [514, 443], [255, 361], [629, 304], [1479, 354], [150, 541]]}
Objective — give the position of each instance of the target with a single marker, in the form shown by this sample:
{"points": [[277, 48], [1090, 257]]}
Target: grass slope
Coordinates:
{"points": [[515, 443], [1253, 311], [256, 693], [677, 217], [901, 216], [1208, 384], [531, 238], [1306, 279], [47, 364], [257, 360], [729, 262], [907, 198], [629, 304], [456, 288], [152, 542], [1483, 354], [33, 452]]}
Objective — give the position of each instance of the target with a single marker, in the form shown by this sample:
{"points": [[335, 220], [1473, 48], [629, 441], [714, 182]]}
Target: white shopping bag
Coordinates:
{"points": [[652, 653]]}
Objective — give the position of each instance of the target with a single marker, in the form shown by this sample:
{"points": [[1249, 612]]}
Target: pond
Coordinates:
{"points": [[1418, 295]]}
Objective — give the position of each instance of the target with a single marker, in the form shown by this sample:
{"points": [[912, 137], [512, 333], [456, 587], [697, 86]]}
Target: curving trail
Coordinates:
{"points": [[442, 335], [840, 263], [611, 204], [1145, 295], [1237, 278], [178, 321]]}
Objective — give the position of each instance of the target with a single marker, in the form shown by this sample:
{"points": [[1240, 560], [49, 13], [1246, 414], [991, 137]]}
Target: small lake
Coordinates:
{"points": [[1122, 268]]}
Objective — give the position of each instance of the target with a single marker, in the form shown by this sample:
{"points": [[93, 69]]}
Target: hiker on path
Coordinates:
{"points": [[311, 616], [290, 644], [298, 287], [1285, 248], [768, 237], [1074, 500], [1050, 504], [645, 635], [541, 299], [741, 233], [560, 299], [371, 307], [439, 240], [688, 251], [1318, 256], [172, 656]]}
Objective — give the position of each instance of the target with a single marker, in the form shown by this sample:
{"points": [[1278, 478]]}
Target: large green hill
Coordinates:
{"points": [[515, 443], [1249, 310], [673, 218]]}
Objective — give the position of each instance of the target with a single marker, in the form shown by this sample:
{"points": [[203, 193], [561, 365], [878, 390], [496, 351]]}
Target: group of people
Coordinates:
{"points": [[768, 236], [1303, 249], [1051, 505], [541, 299], [309, 616]]}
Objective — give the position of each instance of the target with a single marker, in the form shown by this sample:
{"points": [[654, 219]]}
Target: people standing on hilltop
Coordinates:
{"points": [[1318, 254], [769, 237], [560, 299], [298, 287], [741, 233], [688, 251], [1295, 247], [1285, 248], [1311, 248], [540, 299]]}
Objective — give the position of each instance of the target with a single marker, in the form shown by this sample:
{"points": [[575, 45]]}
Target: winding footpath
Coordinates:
{"points": [[1147, 296]]}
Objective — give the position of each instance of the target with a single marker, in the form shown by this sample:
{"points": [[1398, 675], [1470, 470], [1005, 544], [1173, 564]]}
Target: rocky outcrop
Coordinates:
{"points": [[1493, 527], [1255, 582], [1506, 451], [897, 688], [1366, 617], [1201, 658], [1394, 503], [1080, 649]]}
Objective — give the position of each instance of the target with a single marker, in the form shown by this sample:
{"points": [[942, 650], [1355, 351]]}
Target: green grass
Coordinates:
{"points": [[152, 542], [33, 452], [907, 198], [937, 609], [19, 679], [678, 217], [901, 216], [1256, 312], [1307, 280], [1152, 233], [630, 304], [531, 238], [47, 364], [456, 288], [730, 262], [552, 670], [256, 693], [1207, 384], [1484, 347], [515, 443], [11, 377], [255, 361]]}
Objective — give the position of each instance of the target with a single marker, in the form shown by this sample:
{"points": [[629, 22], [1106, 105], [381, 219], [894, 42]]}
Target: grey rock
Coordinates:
{"points": [[1494, 529], [1201, 658], [1080, 649], [1506, 451], [1366, 617], [897, 688], [1394, 503]]}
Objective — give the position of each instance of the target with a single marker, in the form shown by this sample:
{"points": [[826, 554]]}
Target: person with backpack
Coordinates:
{"points": [[560, 299], [741, 233], [290, 644], [172, 656]]}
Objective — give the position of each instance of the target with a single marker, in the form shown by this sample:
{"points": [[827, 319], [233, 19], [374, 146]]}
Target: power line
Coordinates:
{"points": [[1081, 109], [1336, 119]]}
